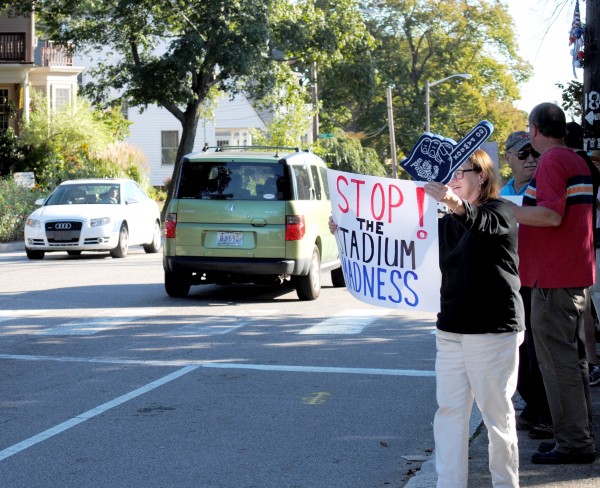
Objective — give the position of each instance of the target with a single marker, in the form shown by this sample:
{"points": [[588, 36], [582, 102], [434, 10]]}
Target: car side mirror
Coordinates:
{"points": [[39, 202]]}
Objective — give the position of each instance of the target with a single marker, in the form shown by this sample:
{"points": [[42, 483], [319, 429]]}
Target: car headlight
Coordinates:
{"points": [[33, 223], [100, 222]]}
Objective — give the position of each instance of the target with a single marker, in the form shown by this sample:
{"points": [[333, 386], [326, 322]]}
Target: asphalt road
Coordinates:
{"points": [[107, 382]]}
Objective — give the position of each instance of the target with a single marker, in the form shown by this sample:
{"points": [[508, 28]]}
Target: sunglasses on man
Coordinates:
{"points": [[523, 154]]}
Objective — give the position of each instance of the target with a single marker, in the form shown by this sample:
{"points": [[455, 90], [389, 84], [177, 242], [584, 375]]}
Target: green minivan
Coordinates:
{"points": [[250, 215]]}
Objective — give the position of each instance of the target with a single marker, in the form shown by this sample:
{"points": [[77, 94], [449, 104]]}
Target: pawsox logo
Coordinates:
{"points": [[435, 158]]}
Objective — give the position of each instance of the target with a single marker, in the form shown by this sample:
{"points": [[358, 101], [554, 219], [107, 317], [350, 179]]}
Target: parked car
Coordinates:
{"points": [[94, 215], [242, 216]]}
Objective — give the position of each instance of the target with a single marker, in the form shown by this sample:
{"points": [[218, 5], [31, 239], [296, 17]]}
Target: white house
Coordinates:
{"points": [[157, 133]]}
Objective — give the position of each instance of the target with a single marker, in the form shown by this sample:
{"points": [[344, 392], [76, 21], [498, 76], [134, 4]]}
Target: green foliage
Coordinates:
{"points": [[427, 40], [12, 153], [572, 99], [344, 153], [16, 202], [78, 143], [292, 116]]}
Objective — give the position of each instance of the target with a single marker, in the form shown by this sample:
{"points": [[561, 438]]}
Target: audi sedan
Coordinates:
{"points": [[94, 215]]}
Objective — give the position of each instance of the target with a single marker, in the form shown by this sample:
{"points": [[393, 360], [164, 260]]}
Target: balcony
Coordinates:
{"points": [[12, 47], [54, 54]]}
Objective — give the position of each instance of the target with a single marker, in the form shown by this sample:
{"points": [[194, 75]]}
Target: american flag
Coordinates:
{"points": [[576, 39]]}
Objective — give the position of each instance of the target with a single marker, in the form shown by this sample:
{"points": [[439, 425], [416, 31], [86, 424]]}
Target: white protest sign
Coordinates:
{"points": [[388, 240]]}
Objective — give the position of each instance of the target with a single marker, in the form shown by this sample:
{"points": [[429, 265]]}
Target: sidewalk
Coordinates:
{"points": [[12, 246], [530, 475]]}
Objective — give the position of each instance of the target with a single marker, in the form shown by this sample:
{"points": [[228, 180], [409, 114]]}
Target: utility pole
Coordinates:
{"points": [[390, 112], [315, 101], [591, 78]]}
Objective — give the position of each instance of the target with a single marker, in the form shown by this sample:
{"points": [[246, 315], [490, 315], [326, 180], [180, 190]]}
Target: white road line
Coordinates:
{"points": [[47, 434], [224, 323], [347, 322], [105, 320], [222, 365]]}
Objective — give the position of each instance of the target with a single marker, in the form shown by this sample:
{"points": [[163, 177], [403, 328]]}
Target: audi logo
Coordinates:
{"points": [[62, 226]]}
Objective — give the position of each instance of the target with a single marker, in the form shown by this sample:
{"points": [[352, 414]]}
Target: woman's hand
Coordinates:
{"points": [[332, 225], [444, 194]]}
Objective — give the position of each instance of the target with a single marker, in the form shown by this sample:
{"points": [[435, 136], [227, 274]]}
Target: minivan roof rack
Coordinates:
{"points": [[206, 148]]}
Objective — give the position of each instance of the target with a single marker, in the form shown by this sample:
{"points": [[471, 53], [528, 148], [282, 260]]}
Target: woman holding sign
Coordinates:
{"points": [[480, 326]]}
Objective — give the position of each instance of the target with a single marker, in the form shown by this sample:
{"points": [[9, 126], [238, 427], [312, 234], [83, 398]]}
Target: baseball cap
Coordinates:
{"points": [[517, 141]]}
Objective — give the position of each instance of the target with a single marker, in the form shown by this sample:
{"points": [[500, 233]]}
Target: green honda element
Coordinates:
{"points": [[250, 215]]}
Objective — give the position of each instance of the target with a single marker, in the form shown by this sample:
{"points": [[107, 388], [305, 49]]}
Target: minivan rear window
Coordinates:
{"points": [[233, 181]]}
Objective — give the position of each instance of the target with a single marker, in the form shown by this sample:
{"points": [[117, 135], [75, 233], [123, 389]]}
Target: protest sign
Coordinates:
{"points": [[388, 240]]}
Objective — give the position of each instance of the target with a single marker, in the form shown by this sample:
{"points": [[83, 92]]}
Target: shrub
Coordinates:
{"points": [[12, 153], [16, 202], [78, 142]]}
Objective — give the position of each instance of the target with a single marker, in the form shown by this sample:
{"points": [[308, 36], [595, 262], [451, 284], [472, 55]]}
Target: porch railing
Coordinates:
{"points": [[12, 47], [54, 54]]}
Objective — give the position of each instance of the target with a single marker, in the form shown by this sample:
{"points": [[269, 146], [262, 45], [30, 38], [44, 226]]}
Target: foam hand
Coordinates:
{"points": [[435, 158]]}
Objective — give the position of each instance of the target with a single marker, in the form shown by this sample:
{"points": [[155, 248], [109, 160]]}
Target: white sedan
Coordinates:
{"points": [[94, 215]]}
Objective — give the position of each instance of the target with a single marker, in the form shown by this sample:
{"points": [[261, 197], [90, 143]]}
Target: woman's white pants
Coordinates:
{"points": [[481, 367]]}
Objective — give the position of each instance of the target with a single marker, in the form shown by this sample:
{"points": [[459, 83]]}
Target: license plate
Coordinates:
{"points": [[230, 239]]}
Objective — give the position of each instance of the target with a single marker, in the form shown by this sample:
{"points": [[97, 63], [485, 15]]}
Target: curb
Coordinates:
{"points": [[12, 246], [426, 477]]}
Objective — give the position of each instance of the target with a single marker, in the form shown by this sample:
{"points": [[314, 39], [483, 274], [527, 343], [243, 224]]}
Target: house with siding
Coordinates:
{"points": [[28, 63], [157, 133]]}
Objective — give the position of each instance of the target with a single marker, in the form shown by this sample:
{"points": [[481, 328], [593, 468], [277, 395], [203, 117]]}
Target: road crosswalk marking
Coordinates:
{"points": [[347, 322], [101, 322]]}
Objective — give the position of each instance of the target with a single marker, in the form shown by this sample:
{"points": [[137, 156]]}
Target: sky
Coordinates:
{"points": [[542, 33]]}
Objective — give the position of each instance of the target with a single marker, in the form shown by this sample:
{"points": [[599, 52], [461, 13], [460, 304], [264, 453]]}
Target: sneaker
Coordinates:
{"points": [[555, 457], [594, 374], [546, 446], [523, 424], [541, 431]]}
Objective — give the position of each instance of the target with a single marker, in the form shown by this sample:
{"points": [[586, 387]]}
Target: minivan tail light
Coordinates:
{"points": [[294, 227], [170, 225]]}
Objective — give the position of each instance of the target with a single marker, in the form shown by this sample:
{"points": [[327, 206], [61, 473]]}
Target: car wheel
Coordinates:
{"points": [[337, 278], [308, 287], [123, 245], [177, 285], [73, 253], [34, 254], [154, 246]]}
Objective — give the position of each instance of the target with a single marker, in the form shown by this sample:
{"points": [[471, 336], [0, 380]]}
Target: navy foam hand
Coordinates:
{"points": [[435, 158]]}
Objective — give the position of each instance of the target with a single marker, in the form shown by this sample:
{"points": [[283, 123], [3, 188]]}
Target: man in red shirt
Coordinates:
{"points": [[556, 251]]}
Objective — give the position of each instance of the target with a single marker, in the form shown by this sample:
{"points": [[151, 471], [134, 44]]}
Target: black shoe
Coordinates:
{"points": [[555, 457], [546, 446], [541, 431]]}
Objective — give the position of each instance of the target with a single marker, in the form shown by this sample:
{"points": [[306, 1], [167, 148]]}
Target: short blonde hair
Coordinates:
{"points": [[490, 187]]}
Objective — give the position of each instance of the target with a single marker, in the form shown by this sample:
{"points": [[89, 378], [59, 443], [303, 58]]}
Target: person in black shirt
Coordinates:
{"points": [[480, 324]]}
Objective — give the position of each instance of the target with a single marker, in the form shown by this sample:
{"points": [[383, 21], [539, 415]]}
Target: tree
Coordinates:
{"points": [[572, 98], [421, 40], [174, 52]]}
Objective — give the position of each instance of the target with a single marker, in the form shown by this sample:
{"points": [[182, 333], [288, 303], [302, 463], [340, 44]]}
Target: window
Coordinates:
{"points": [[62, 99], [169, 145], [303, 186], [223, 138]]}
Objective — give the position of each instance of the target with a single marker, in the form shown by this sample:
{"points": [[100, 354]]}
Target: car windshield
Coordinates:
{"points": [[85, 193], [235, 181]]}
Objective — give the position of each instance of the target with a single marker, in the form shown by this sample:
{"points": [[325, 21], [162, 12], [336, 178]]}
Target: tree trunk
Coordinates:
{"points": [[189, 125], [591, 78]]}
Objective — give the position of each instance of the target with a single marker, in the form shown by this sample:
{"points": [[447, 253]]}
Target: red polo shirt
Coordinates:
{"points": [[563, 256]]}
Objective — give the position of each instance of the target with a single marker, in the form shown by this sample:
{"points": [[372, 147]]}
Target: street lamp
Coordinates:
{"points": [[428, 85]]}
